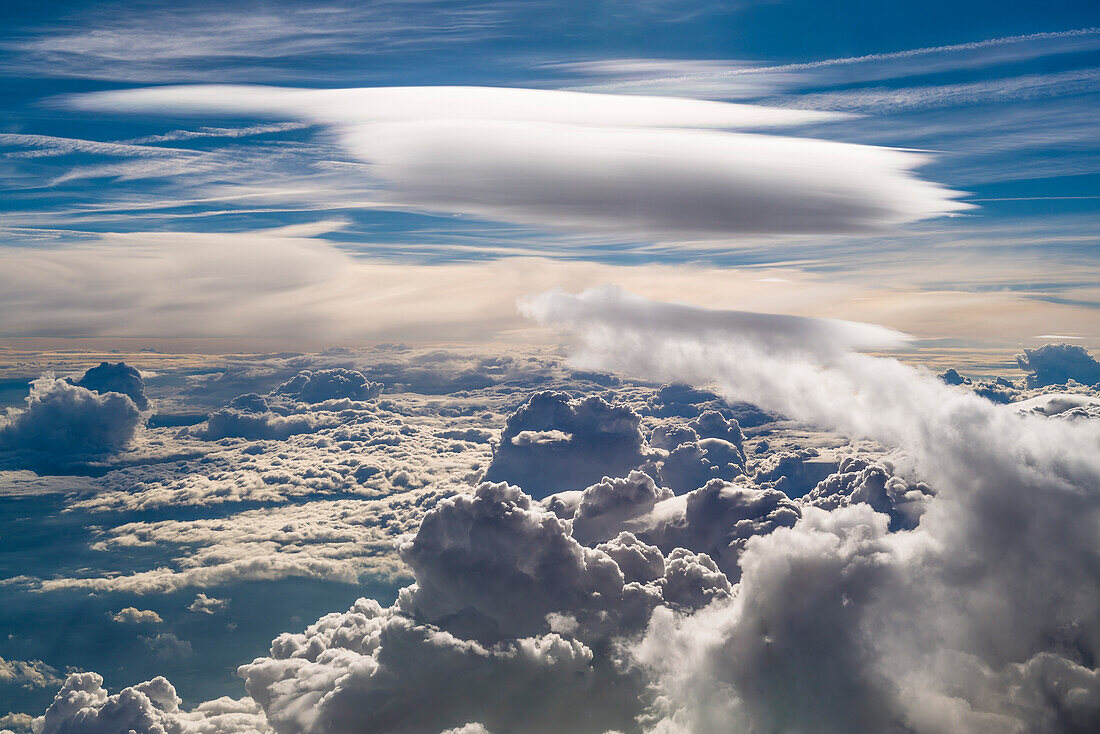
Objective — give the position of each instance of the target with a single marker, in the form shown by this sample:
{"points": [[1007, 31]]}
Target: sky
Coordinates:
{"points": [[967, 190], [522, 367]]}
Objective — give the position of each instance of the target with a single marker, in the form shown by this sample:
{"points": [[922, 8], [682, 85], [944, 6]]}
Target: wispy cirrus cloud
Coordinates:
{"points": [[49, 145], [644, 76], [188, 42], [220, 132], [878, 100]]}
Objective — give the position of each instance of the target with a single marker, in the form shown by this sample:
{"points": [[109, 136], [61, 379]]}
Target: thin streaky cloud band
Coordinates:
{"points": [[50, 145], [853, 60]]}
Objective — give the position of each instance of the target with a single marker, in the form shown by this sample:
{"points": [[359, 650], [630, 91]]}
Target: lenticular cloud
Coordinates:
{"points": [[985, 618], [636, 165]]}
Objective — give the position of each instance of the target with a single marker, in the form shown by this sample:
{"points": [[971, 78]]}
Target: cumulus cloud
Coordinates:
{"points": [[133, 615], [590, 161], [552, 443], [474, 728], [603, 509], [858, 481], [204, 604], [506, 607], [1057, 364], [329, 384], [710, 446], [83, 705], [1060, 404], [28, 673], [983, 618], [119, 377], [250, 416], [717, 519], [18, 722], [793, 472], [62, 421]]}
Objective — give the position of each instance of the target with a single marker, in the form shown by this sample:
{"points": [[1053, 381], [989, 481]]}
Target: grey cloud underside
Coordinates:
{"points": [[649, 166], [592, 439], [1056, 364], [119, 377], [772, 587], [63, 422]]}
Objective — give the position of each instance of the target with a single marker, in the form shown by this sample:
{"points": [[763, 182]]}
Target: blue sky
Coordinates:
{"points": [[1002, 97]]}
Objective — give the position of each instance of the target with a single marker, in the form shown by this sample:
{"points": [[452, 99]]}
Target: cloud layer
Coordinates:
{"points": [[746, 578]]}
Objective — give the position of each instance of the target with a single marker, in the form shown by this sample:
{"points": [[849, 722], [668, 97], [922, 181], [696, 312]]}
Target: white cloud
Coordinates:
{"points": [[757, 610], [552, 443], [83, 705], [422, 104], [48, 145], [133, 615], [219, 132], [688, 75], [62, 421], [880, 100], [625, 164], [204, 604], [194, 41], [28, 673], [610, 308], [1056, 364]]}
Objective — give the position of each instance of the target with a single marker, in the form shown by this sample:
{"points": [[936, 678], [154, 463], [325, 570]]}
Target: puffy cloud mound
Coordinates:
{"points": [[717, 519], [252, 416], [1063, 405], [999, 390], [133, 615], [119, 377], [500, 561], [1057, 364], [861, 481], [951, 376], [710, 446], [27, 673], [204, 604], [62, 421], [552, 443], [603, 509], [83, 705], [678, 399], [511, 623], [793, 472], [317, 386]]}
